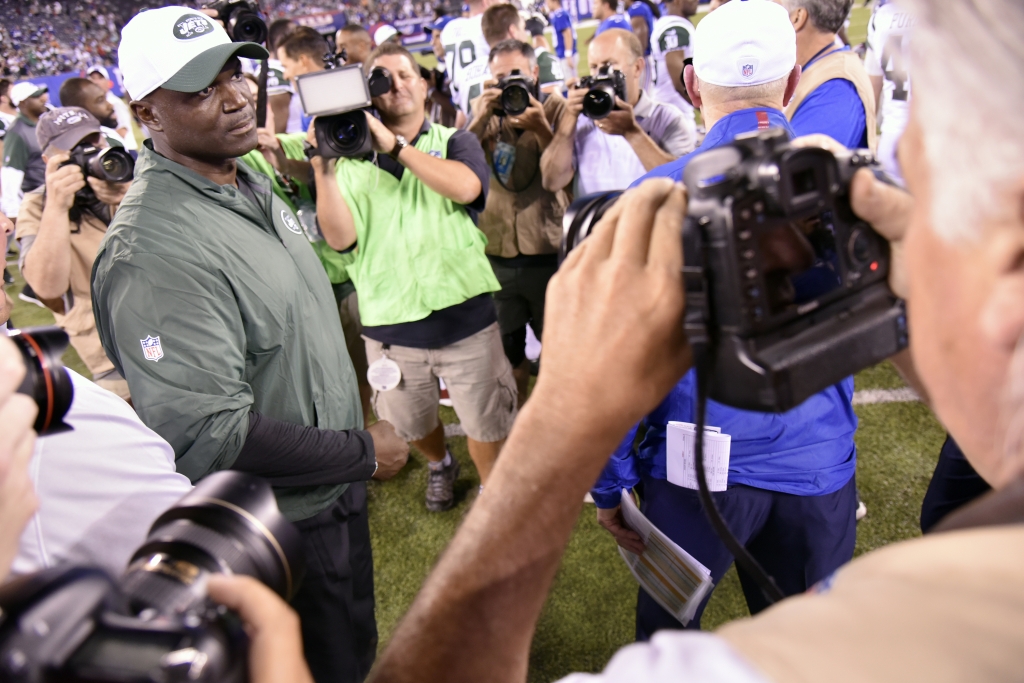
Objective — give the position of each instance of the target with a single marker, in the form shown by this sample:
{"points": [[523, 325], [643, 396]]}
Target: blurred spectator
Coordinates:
{"points": [[101, 77], [23, 168]]}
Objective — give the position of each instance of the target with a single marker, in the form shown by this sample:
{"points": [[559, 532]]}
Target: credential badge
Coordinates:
{"points": [[152, 349], [290, 222]]}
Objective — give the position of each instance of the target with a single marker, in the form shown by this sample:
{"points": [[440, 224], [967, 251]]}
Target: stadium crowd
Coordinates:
{"points": [[294, 299]]}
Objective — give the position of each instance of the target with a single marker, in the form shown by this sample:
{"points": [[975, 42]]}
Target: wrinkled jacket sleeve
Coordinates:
{"points": [[194, 395], [620, 473]]}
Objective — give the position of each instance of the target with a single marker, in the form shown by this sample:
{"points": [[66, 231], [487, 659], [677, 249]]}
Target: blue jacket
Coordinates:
{"points": [[806, 451], [834, 109]]}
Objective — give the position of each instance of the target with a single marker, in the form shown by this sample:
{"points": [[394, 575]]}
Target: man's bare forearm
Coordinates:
{"points": [[480, 605], [651, 156], [449, 178], [556, 161], [333, 214], [48, 262]]}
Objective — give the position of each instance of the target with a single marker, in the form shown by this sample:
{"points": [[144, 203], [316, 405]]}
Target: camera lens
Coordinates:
{"points": [[343, 135], [581, 217], [247, 27], [112, 164], [46, 381], [229, 523], [515, 99], [598, 102]]}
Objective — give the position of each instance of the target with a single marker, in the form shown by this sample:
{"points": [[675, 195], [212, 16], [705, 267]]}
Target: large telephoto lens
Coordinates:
{"points": [[112, 164], [246, 27], [581, 217], [228, 524], [599, 101], [46, 381], [515, 99]]}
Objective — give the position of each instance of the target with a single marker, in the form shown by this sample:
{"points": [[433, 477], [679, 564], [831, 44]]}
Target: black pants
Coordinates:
{"points": [[954, 483], [335, 601], [799, 540]]}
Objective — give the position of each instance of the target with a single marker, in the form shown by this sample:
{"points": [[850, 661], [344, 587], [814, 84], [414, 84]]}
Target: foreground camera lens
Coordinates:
{"points": [[246, 27], [598, 103], [343, 135], [515, 99], [581, 217], [46, 381], [229, 523]]}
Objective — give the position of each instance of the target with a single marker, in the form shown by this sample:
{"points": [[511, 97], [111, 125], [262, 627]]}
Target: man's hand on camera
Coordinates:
{"points": [[17, 439], [62, 182], [620, 121], [615, 315], [574, 103], [107, 192], [533, 119], [612, 520], [275, 638], [484, 106], [392, 452], [383, 139], [887, 208]]}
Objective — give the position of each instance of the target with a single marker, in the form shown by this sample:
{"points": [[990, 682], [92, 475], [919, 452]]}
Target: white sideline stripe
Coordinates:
{"points": [[870, 396], [860, 398]]}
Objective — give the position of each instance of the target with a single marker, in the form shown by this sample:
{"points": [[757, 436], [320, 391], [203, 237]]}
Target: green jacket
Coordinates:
{"points": [[211, 307], [335, 263], [419, 252]]}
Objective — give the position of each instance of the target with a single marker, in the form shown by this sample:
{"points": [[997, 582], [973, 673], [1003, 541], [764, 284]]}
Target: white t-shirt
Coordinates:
{"points": [[100, 486], [889, 56], [465, 59], [124, 120], [608, 162], [670, 33]]}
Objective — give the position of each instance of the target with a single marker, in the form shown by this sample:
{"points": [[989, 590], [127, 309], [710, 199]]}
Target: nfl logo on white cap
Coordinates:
{"points": [[152, 349]]}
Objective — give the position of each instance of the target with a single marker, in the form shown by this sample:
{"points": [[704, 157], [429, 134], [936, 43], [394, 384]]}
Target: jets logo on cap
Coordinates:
{"points": [[69, 118], [290, 223], [191, 26], [151, 348]]}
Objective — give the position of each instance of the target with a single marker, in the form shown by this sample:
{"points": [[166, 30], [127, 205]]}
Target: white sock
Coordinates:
{"points": [[444, 463]]}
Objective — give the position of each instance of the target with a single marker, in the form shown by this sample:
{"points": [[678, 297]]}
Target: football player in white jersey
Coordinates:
{"points": [[671, 45], [465, 57], [888, 64]]}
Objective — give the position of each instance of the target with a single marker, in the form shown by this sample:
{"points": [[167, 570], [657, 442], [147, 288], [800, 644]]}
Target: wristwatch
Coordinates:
{"points": [[400, 144]]}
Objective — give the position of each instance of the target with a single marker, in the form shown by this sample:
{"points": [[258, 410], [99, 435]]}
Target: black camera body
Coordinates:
{"points": [[241, 20], [515, 93], [786, 289], [112, 164], [338, 98], [602, 89], [155, 623]]}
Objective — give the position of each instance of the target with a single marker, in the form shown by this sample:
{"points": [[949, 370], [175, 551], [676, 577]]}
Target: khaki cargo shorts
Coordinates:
{"points": [[479, 380]]}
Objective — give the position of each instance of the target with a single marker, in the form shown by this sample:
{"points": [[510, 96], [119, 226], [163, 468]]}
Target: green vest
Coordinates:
{"points": [[419, 252], [334, 263]]}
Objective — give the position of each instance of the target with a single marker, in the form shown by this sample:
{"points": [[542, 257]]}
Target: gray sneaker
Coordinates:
{"points": [[441, 487]]}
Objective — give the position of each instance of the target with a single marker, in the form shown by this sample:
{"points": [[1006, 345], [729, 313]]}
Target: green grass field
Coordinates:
{"points": [[589, 614]]}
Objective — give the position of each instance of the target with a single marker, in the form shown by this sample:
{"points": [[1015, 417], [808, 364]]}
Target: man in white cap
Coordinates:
{"points": [[101, 77], [791, 497], [23, 168], [213, 306]]}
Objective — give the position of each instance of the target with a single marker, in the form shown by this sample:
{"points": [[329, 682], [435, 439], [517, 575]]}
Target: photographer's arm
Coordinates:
{"points": [[556, 162], [475, 617], [332, 212], [623, 122], [48, 262]]}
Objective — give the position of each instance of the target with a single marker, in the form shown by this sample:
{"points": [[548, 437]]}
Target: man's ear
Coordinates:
{"points": [[692, 89], [798, 18], [794, 80], [144, 113], [1002, 315]]}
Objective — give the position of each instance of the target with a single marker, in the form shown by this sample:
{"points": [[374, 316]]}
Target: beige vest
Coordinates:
{"points": [[846, 65]]}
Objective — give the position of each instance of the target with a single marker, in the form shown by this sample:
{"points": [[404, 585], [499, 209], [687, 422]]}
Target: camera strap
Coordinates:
{"points": [[743, 558]]}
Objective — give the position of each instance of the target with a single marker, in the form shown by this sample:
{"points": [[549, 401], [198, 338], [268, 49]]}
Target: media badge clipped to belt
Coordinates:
{"points": [[504, 160], [384, 373]]}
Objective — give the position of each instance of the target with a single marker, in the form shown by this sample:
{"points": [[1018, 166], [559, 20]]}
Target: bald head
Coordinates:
{"points": [[619, 49]]}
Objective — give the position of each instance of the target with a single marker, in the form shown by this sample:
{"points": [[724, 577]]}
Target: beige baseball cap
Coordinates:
{"points": [[177, 48]]}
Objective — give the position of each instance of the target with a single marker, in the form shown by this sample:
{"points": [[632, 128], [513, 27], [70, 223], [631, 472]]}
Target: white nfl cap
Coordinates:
{"points": [[383, 33], [176, 48], [23, 91], [101, 70], [744, 42]]}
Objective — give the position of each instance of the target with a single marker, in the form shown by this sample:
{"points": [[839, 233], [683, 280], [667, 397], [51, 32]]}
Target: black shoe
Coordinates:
{"points": [[441, 487], [8, 278], [30, 296]]}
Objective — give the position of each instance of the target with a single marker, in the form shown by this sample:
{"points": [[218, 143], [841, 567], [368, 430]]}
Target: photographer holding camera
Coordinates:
{"points": [[61, 224], [423, 278], [637, 136], [522, 220], [211, 302]]}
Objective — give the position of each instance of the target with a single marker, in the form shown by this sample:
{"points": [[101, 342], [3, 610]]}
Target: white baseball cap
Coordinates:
{"points": [[383, 33], [24, 90], [744, 42], [101, 70], [176, 48]]}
